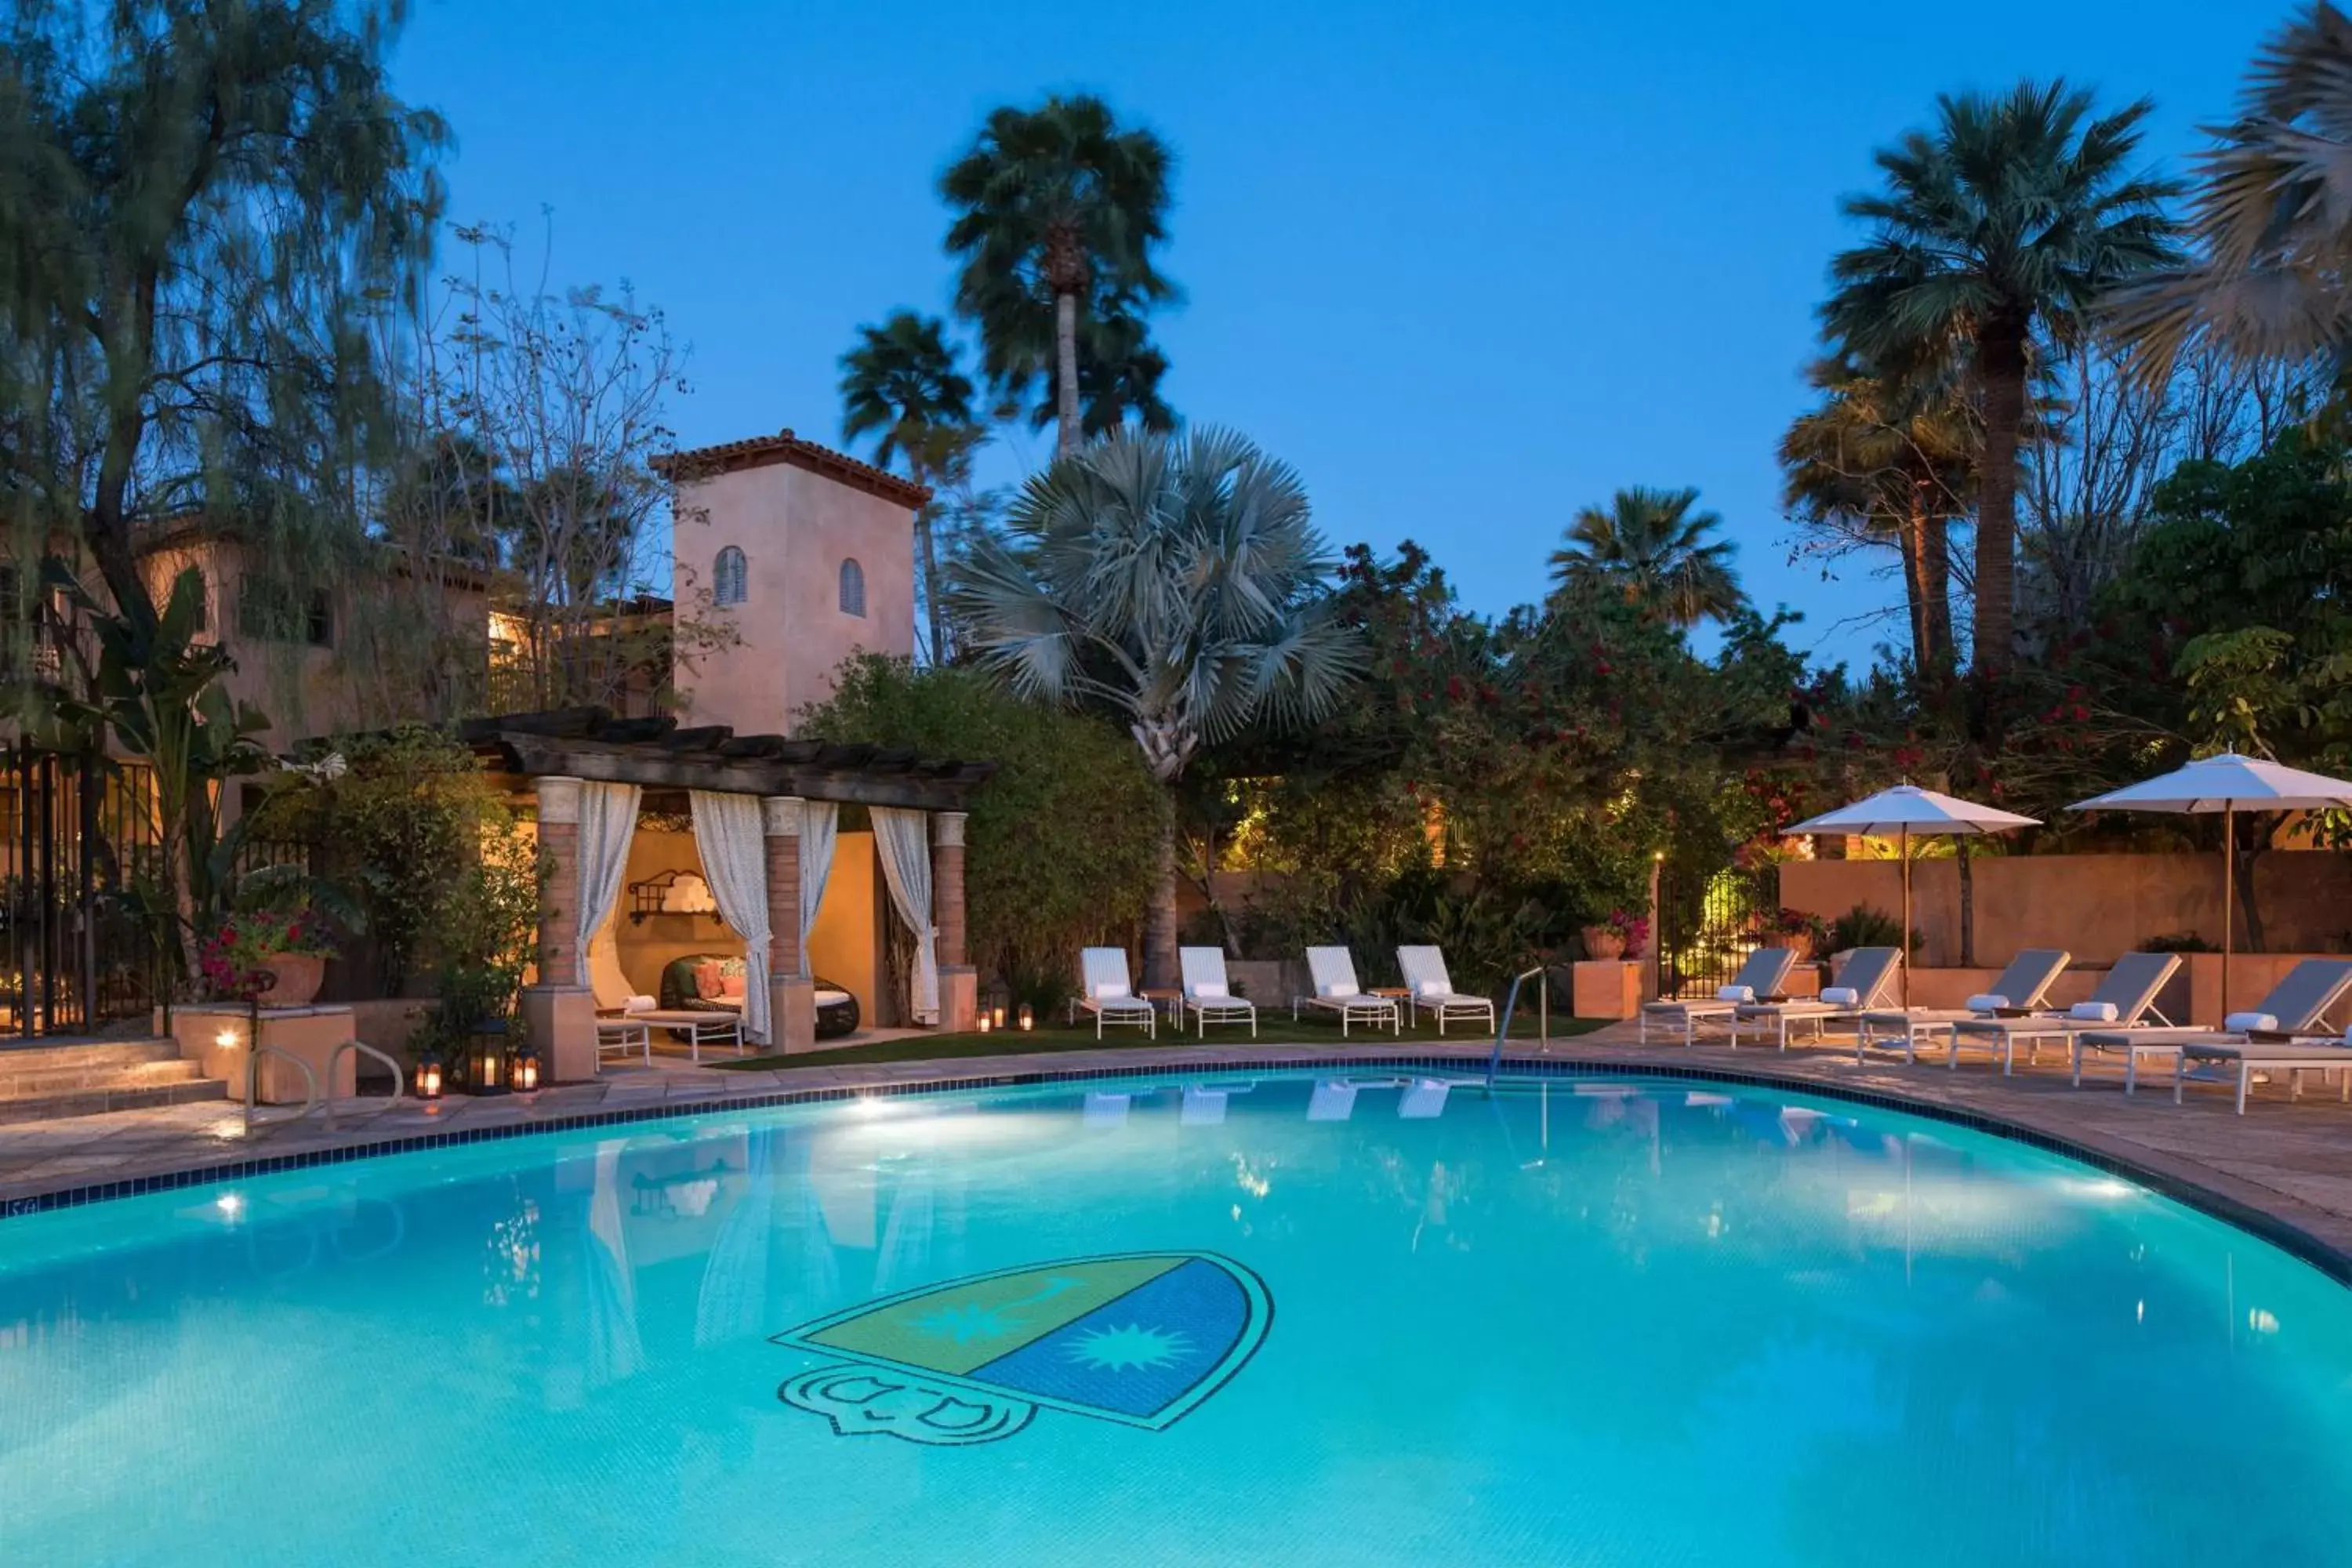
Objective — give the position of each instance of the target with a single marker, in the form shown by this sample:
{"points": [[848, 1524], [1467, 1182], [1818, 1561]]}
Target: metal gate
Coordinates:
{"points": [[1709, 918], [77, 836]]}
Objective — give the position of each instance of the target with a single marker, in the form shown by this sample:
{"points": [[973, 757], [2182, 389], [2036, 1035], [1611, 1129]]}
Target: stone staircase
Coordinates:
{"points": [[40, 1082]]}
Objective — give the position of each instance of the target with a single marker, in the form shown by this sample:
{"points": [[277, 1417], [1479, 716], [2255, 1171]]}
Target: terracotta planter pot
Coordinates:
{"points": [[1604, 942], [1800, 943], [295, 979]]}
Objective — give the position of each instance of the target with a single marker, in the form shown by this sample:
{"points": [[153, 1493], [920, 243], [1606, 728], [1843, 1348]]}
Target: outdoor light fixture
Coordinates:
{"points": [[226, 1039], [487, 1077], [984, 1023], [429, 1080], [1028, 1018], [522, 1074], [999, 1011]]}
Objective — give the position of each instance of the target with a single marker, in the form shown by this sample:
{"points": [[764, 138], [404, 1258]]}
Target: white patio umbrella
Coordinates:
{"points": [[1900, 812], [2223, 783]]}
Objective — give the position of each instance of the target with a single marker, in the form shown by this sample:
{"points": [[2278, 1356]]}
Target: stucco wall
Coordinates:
{"points": [[2097, 906], [646, 947], [795, 529], [843, 946]]}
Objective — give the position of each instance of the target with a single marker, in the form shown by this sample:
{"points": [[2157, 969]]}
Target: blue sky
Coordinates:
{"points": [[1467, 266]]}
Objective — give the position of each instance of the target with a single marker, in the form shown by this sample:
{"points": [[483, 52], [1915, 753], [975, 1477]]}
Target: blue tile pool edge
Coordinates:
{"points": [[2262, 1223]]}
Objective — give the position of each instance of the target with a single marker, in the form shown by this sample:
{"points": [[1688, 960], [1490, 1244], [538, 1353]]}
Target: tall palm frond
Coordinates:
{"points": [[2272, 216], [1998, 227], [1650, 546]]}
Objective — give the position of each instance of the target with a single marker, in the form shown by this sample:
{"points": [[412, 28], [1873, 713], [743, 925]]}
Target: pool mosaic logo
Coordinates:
{"points": [[1138, 1338]]}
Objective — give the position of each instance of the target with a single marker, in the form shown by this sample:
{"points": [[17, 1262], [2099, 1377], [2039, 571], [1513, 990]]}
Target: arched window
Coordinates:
{"points": [[727, 578], [852, 588]]}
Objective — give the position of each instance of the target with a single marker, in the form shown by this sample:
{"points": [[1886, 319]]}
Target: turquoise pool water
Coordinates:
{"points": [[1281, 1320]]}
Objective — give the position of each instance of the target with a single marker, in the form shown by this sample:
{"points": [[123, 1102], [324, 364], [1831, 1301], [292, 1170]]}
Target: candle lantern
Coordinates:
{"points": [[428, 1078], [486, 1057], [997, 1012], [522, 1073], [984, 1023], [1028, 1017]]}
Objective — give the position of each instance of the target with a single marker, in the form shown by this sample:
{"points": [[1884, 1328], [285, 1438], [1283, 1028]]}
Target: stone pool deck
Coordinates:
{"points": [[2283, 1169]]}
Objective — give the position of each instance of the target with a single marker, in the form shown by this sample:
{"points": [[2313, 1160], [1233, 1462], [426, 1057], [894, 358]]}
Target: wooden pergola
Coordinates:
{"points": [[660, 754], [554, 754]]}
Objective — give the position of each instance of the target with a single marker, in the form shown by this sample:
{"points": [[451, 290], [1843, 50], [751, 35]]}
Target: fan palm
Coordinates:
{"points": [[1119, 371], [1055, 206], [2006, 220], [2271, 213], [902, 383], [1889, 455], [1175, 582], [1652, 548]]}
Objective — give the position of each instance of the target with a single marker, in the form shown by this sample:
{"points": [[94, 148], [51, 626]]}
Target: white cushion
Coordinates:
{"points": [[1841, 997], [639, 1005], [2094, 1012], [1209, 988], [1111, 991], [1735, 994], [2249, 1021], [1435, 988], [1986, 1002], [1336, 990]]}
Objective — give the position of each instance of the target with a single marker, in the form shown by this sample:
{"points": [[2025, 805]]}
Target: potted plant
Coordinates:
{"points": [[268, 957], [1798, 932], [1621, 933]]}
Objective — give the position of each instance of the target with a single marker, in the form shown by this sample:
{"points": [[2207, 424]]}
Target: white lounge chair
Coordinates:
{"points": [[2285, 1032], [1109, 994], [626, 1020], [2121, 1003], [1333, 971], [1208, 995], [1764, 973], [1868, 978], [2023, 983], [1428, 988]]}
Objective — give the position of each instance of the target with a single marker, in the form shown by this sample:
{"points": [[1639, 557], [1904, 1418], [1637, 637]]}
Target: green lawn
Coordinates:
{"points": [[1271, 1030]]}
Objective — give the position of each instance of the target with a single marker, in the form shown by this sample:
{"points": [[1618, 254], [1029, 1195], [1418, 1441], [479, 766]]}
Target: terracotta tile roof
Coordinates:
{"points": [[783, 447]]}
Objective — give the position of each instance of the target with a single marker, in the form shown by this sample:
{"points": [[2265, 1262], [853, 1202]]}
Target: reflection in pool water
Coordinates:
{"points": [[1601, 1323]]}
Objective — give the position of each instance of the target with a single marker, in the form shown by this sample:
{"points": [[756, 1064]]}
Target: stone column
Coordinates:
{"points": [[959, 982], [558, 1010], [792, 995]]}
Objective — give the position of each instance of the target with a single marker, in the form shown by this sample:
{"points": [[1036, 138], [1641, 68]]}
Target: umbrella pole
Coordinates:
{"points": [[2229, 894], [1904, 983]]}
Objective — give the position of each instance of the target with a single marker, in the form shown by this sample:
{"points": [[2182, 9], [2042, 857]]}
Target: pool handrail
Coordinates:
{"points": [[1502, 1030]]}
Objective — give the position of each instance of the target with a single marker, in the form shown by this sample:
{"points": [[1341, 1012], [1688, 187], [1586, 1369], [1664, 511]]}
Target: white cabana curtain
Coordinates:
{"points": [[820, 827], [903, 838], [733, 844], [608, 820]]}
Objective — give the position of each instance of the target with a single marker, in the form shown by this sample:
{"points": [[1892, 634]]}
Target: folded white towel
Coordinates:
{"points": [[1986, 1002], [1111, 990], [2094, 1012], [1338, 991], [639, 1004], [1841, 996], [1209, 988], [2249, 1021], [1433, 989], [1735, 994]]}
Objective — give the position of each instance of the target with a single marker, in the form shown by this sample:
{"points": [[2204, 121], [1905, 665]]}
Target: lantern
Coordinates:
{"points": [[998, 1011], [1028, 1018], [486, 1057], [522, 1073], [984, 1023], [428, 1078]]}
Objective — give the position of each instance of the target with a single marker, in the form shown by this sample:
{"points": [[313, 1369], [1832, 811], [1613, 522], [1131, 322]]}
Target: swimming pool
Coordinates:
{"points": [[1306, 1320]]}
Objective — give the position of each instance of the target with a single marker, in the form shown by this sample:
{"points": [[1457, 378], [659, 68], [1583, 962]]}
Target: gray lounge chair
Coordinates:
{"points": [[2118, 1005], [2023, 983], [1765, 972], [1863, 986], [2284, 1032]]}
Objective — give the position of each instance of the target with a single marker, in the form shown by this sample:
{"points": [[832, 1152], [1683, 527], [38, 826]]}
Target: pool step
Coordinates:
{"points": [[41, 1083]]}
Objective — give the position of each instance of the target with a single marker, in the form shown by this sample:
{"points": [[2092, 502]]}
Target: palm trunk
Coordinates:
{"points": [[1160, 963], [2001, 368], [1066, 375], [1912, 540], [930, 583], [1936, 574]]}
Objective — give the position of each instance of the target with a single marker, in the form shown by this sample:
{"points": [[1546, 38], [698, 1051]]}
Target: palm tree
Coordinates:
{"points": [[1055, 208], [1175, 582], [2005, 221], [903, 383], [2273, 251], [1889, 456], [1119, 371], [1651, 547]]}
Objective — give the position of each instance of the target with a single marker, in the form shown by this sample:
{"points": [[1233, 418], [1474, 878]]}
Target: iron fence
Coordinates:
{"points": [[77, 848], [1709, 918]]}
